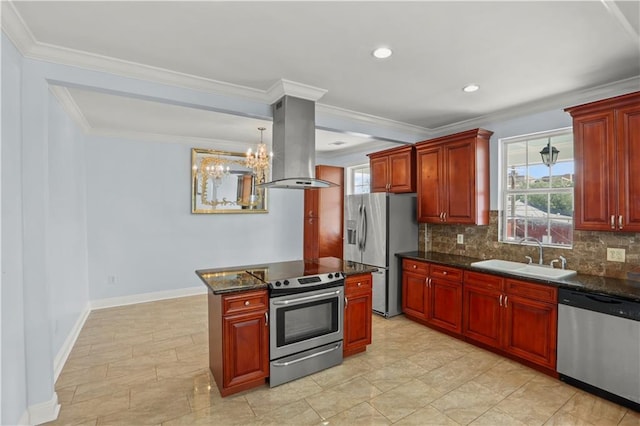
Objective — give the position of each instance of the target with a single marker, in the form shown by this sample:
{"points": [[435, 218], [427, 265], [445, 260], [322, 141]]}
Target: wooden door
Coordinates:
{"points": [[414, 294], [379, 169], [482, 315], [628, 180], [430, 180], [445, 300], [595, 172], [246, 348], [459, 186], [530, 330]]}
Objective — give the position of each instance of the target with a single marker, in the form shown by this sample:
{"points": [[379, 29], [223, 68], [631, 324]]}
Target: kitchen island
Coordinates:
{"points": [[243, 334]]}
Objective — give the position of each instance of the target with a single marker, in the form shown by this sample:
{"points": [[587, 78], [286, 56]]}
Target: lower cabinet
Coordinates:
{"points": [[517, 317], [357, 313], [239, 340], [432, 294]]}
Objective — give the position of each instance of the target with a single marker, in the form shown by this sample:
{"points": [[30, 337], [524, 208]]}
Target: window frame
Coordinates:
{"points": [[505, 192], [351, 185]]}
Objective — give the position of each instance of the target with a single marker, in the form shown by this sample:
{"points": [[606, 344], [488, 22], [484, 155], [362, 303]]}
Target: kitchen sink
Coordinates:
{"points": [[525, 269]]}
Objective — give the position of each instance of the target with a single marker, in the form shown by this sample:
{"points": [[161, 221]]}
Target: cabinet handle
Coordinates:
{"points": [[426, 282], [246, 303], [613, 222], [444, 272], [346, 302], [415, 266], [506, 298], [620, 221], [359, 284], [500, 301], [444, 215], [266, 319]]}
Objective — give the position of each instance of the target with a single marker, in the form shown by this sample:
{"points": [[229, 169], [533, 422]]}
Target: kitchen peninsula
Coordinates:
{"points": [[284, 320]]}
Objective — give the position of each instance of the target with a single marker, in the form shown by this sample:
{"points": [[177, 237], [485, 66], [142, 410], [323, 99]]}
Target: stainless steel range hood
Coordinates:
{"points": [[294, 145]]}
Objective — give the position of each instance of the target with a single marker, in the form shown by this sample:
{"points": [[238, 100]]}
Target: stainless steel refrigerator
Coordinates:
{"points": [[377, 226]]}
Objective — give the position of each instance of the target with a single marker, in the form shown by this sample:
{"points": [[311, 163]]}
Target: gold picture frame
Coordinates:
{"points": [[221, 182]]}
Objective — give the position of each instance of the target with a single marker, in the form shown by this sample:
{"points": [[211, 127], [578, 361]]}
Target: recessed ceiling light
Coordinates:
{"points": [[470, 88], [382, 52]]}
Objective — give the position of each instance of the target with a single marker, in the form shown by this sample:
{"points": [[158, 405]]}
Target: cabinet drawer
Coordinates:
{"points": [[446, 272], [358, 283], [246, 301], [483, 280], [415, 266], [540, 292]]}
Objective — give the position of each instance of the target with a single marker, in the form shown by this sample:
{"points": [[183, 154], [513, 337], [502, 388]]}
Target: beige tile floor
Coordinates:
{"points": [[148, 364]]}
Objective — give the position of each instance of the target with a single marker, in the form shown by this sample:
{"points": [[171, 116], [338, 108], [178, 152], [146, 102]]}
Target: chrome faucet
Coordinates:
{"points": [[564, 262], [537, 242]]}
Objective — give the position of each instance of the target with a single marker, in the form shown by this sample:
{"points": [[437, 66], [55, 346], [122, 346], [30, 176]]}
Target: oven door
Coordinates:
{"points": [[305, 320]]}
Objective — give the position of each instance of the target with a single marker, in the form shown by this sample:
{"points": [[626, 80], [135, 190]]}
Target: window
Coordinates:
{"points": [[537, 199], [359, 179]]}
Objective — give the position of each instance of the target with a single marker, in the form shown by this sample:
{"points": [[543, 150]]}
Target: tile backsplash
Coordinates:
{"points": [[588, 255]]}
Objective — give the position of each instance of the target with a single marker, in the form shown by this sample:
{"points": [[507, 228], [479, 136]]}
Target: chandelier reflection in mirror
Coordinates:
{"points": [[221, 182], [259, 160]]}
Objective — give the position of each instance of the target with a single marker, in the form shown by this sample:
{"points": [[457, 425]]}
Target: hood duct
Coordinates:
{"points": [[294, 145]]}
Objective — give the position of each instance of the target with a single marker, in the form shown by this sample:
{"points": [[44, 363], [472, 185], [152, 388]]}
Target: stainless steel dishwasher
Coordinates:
{"points": [[599, 345]]}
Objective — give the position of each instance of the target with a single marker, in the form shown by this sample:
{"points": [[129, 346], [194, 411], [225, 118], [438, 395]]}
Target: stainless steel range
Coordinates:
{"points": [[306, 317]]}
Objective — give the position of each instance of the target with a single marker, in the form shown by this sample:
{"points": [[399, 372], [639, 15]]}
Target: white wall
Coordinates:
{"points": [[67, 255], [13, 365], [141, 230]]}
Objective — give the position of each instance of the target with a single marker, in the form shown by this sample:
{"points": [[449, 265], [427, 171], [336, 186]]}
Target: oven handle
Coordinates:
{"points": [[304, 358], [302, 299]]}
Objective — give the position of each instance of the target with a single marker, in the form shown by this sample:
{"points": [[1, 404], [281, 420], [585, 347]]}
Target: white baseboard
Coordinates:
{"points": [[65, 350], [43, 412], [147, 297]]}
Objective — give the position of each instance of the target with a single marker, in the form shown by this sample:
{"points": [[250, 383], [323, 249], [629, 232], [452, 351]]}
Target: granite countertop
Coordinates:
{"points": [[627, 289], [237, 278]]}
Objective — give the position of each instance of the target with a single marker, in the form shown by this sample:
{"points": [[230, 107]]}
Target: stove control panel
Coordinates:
{"points": [[307, 283]]}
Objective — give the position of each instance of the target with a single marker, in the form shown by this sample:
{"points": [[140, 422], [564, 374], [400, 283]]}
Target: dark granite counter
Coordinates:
{"points": [[254, 277], [588, 283]]}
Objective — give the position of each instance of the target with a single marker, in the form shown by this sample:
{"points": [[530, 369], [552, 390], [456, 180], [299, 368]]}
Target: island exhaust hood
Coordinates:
{"points": [[294, 145]]}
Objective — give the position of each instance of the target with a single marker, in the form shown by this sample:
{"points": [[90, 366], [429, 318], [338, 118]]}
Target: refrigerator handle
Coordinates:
{"points": [[358, 227], [364, 227]]}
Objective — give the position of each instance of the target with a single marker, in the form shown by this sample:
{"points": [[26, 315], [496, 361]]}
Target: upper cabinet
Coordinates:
{"points": [[453, 178], [607, 157], [323, 215], [393, 170]]}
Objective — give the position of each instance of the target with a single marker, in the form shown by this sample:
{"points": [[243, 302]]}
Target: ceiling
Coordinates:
{"points": [[523, 55]]}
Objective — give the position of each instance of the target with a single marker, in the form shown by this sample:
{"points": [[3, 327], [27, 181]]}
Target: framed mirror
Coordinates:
{"points": [[222, 183]]}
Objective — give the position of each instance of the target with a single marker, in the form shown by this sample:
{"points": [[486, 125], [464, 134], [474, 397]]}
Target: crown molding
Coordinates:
{"points": [[70, 106], [291, 88], [16, 29]]}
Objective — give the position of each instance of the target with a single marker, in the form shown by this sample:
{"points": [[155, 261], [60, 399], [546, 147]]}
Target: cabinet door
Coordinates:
{"points": [[595, 198], [445, 304], [330, 212], [414, 294], [459, 182], [482, 315], [379, 169], [357, 322], [429, 168], [245, 348], [628, 154], [311, 202], [531, 330], [401, 175]]}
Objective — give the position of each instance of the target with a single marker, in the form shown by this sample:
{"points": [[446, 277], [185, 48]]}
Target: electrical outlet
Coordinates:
{"points": [[111, 280], [460, 239], [615, 254]]}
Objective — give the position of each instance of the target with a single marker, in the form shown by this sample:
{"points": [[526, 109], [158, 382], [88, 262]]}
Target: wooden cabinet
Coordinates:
{"points": [[517, 317], [607, 159], [357, 313], [453, 178], [432, 294], [323, 215], [393, 170], [239, 340]]}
